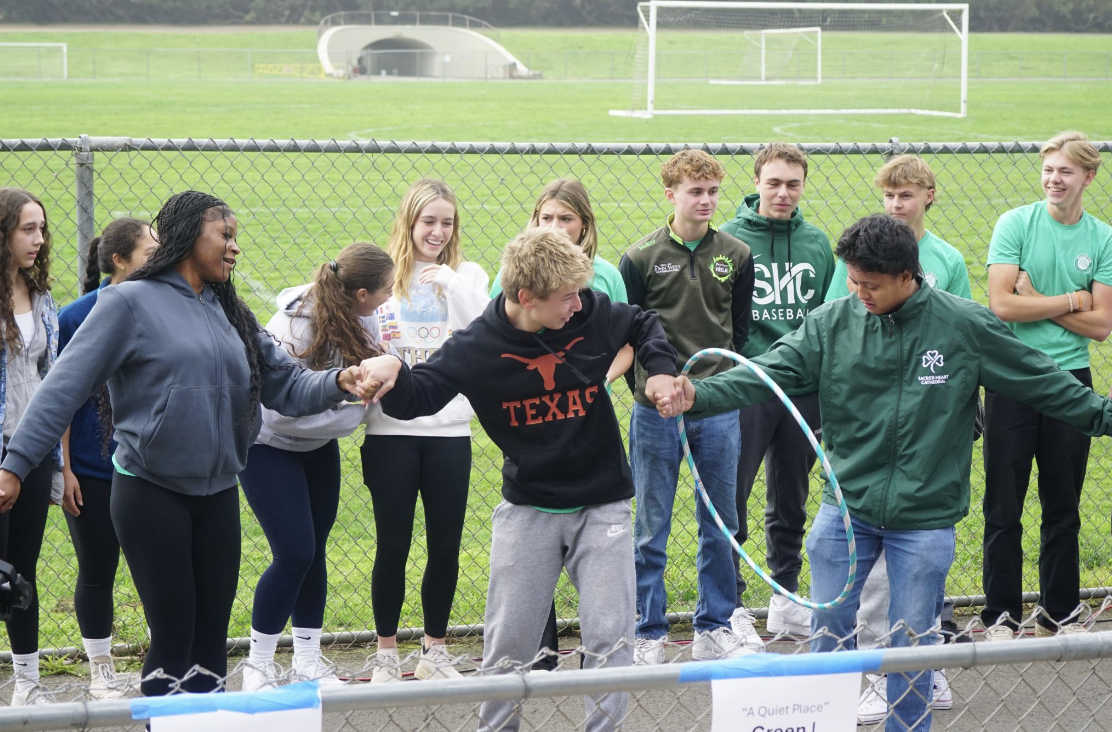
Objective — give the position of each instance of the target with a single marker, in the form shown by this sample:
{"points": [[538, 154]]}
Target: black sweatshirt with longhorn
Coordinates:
{"points": [[541, 397]]}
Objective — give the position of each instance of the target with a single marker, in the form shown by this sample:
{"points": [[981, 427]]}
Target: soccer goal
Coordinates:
{"points": [[33, 61], [788, 58]]}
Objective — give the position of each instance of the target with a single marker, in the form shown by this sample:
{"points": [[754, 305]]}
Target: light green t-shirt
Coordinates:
{"points": [[943, 267], [607, 280], [1058, 259], [120, 469]]}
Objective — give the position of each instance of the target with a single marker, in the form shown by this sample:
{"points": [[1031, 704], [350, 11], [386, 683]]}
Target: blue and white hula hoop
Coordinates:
{"points": [[702, 491]]}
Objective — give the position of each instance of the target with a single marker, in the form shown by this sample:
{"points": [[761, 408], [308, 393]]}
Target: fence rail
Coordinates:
{"points": [[299, 201]]}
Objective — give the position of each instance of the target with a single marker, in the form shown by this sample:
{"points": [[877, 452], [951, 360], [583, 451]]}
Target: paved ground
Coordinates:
{"points": [[1030, 697]]}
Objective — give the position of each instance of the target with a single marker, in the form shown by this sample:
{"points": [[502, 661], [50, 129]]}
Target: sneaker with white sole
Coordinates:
{"points": [[436, 663], [741, 622], [103, 681], [943, 698], [785, 616], [260, 675], [315, 667], [999, 633], [30, 695], [872, 708], [649, 651], [387, 666], [718, 643]]}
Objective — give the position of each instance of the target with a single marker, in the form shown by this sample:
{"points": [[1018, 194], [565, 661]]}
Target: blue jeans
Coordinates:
{"points": [[918, 562], [655, 456]]}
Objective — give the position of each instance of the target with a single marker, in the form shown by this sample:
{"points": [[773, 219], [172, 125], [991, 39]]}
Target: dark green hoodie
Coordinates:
{"points": [[792, 268]]}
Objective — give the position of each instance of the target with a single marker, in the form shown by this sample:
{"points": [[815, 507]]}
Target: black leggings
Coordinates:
{"points": [[183, 552], [21, 532], [294, 496], [98, 556], [396, 468]]}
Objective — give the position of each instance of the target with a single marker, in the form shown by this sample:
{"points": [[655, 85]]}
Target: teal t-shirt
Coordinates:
{"points": [[607, 280], [943, 267], [1059, 259]]}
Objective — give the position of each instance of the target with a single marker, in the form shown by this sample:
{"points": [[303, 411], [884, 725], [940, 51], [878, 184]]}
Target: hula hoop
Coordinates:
{"points": [[702, 491]]}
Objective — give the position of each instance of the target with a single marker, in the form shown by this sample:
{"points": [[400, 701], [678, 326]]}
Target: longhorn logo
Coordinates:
{"points": [[545, 365]]}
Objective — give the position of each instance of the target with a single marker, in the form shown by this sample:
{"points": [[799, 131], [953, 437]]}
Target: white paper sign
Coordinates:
{"points": [[289, 720], [826, 703]]}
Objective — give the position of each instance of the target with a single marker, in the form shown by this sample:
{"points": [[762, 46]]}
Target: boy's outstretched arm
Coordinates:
{"points": [[408, 393]]}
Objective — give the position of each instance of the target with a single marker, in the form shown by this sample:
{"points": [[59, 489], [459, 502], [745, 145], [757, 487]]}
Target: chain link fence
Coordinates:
{"points": [[298, 202], [1061, 684]]}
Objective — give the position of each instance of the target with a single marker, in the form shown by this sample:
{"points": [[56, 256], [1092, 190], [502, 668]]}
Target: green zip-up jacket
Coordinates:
{"points": [[898, 394], [792, 268], [702, 296]]}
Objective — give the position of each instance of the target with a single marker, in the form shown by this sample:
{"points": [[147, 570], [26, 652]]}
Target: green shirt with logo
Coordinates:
{"points": [[1058, 259], [943, 268]]}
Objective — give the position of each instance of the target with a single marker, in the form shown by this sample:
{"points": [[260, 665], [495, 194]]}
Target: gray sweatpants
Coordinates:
{"points": [[528, 550]]}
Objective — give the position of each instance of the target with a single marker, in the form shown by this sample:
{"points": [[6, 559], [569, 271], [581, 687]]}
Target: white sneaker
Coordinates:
{"points": [[785, 616], [943, 698], [741, 622], [436, 663], [259, 676], [315, 667], [103, 681], [33, 695], [718, 643], [872, 708], [388, 667], [999, 633], [649, 651]]}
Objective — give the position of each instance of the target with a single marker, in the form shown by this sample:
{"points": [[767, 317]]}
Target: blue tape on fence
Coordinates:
{"points": [[763, 665], [302, 695]]}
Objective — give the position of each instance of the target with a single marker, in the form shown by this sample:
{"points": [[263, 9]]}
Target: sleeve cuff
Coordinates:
{"points": [[17, 464], [445, 276], [334, 391]]}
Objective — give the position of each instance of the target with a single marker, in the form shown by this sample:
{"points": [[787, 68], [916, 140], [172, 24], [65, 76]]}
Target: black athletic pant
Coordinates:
{"points": [[1014, 434], [183, 552], [98, 556], [295, 496], [21, 532], [769, 433], [396, 468]]}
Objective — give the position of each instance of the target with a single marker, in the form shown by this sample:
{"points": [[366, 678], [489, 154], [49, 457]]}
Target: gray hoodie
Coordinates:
{"points": [[179, 381], [292, 326]]}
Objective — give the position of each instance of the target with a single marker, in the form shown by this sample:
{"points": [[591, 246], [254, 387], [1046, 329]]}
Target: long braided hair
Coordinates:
{"points": [[339, 337], [177, 227], [37, 276]]}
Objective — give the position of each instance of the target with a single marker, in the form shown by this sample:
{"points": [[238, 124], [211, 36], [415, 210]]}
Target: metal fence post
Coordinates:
{"points": [[86, 200]]}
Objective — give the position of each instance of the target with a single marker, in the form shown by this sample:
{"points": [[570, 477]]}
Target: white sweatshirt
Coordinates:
{"points": [[302, 434], [417, 328]]}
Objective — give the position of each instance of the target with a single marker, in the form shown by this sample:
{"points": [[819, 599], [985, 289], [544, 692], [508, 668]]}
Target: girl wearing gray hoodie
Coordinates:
{"points": [[292, 478]]}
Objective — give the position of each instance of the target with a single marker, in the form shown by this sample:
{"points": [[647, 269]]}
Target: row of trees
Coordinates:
{"points": [[1070, 16]]}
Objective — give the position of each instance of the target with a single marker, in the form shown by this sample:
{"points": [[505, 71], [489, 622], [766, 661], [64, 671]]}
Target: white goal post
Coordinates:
{"points": [[814, 58], [34, 61], [760, 38]]}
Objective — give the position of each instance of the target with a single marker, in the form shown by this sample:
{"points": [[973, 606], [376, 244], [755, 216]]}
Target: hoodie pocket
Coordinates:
{"points": [[183, 442]]}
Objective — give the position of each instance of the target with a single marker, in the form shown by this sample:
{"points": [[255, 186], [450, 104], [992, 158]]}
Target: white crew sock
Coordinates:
{"points": [[306, 642], [262, 647], [26, 667], [97, 647]]}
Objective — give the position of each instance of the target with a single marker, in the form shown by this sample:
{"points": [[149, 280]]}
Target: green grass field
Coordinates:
{"points": [[295, 210]]}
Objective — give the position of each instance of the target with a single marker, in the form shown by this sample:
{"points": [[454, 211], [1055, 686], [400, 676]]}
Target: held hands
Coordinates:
{"points": [[377, 376], [9, 490], [348, 380], [670, 394]]}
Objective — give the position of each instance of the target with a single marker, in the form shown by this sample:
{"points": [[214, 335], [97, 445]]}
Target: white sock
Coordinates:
{"points": [[262, 647], [97, 647], [306, 642], [26, 667]]}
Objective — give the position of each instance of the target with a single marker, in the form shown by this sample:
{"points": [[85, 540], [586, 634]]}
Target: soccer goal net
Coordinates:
{"points": [[800, 58], [33, 61]]}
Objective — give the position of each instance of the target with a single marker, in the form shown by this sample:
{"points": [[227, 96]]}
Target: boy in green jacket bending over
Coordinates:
{"points": [[897, 366]]}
